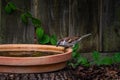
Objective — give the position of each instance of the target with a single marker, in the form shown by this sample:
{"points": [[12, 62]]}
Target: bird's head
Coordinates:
{"points": [[58, 43]]}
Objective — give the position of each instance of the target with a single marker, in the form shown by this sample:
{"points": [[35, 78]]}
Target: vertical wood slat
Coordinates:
{"points": [[0, 22], [84, 19], [14, 31], [54, 16], [100, 25], [111, 25]]}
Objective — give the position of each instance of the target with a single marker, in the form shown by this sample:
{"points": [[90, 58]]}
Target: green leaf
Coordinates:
{"points": [[82, 61], [98, 63], [53, 39], [76, 47], [116, 58], [96, 55], [106, 61], [24, 18], [39, 32], [36, 22], [74, 54], [28, 14], [77, 55], [44, 39], [8, 9], [12, 5]]}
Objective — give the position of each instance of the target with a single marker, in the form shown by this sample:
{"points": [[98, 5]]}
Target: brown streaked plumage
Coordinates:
{"points": [[70, 41]]}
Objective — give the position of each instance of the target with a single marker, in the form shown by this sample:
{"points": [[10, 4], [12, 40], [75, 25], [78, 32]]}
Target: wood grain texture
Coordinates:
{"points": [[0, 22], [71, 18], [84, 19], [111, 25], [14, 31], [67, 18], [54, 16]]}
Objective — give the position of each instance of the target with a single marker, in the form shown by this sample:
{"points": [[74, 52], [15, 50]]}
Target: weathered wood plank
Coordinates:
{"points": [[0, 22], [111, 25], [14, 31], [49, 12], [84, 19], [71, 18]]}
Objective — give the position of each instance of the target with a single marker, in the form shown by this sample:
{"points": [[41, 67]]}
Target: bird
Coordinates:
{"points": [[70, 41]]}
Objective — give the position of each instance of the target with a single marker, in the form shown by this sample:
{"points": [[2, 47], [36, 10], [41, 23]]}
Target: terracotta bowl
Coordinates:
{"points": [[33, 64]]}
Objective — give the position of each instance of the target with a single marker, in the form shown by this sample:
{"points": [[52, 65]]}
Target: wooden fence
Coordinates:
{"points": [[66, 18]]}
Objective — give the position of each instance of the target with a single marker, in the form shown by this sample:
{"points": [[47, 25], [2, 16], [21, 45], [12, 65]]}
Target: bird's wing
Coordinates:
{"points": [[71, 39]]}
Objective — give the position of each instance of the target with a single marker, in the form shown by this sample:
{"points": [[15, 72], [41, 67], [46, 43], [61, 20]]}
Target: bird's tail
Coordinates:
{"points": [[84, 36]]}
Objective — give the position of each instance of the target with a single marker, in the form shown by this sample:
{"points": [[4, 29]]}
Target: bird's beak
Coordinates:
{"points": [[57, 44]]}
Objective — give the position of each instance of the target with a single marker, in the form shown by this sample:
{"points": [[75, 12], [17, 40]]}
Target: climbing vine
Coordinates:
{"points": [[26, 16]]}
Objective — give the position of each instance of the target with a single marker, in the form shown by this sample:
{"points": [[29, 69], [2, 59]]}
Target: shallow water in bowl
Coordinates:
{"points": [[26, 53]]}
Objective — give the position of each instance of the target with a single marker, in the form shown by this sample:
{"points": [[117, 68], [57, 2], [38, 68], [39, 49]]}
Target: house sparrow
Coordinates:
{"points": [[71, 41]]}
